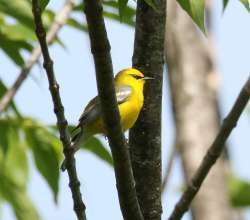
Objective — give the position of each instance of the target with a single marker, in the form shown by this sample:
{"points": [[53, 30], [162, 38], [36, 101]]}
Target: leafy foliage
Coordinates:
{"points": [[18, 198], [43, 4], [246, 4], [17, 34], [44, 146], [96, 147], [12, 107], [239, 192], [75, 24], [196, 10], [14, 172], [225, 2], [115, 10], [13, 48], [19, 10], [121, 5], [46, 152], [17, 28], [18, 136], [10, 41]]}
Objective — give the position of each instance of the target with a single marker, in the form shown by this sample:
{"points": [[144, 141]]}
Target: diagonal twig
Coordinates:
{"points": [[104, 74], [62, 123], [213, 153], [60, 19]]}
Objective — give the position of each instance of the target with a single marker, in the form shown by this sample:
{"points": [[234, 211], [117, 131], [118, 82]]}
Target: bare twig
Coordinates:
{"points": [[59, 21], [104, 74], [213, 152], [169, 167], [62, 123]]}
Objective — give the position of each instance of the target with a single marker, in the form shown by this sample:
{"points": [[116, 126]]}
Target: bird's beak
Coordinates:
{"points": [[147, 77]]}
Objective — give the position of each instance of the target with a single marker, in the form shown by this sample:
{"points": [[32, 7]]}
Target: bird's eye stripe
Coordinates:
{"points": [[136, 76]]}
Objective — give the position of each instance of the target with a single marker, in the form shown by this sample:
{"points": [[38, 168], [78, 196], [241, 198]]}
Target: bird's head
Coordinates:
{"points": [[131, 76]]}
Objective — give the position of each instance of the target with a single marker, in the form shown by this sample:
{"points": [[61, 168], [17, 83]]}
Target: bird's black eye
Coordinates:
{"points": [[136, 76]]}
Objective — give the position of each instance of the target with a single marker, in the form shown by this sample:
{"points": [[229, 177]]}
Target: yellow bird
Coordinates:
{"points": [[129, 85]]}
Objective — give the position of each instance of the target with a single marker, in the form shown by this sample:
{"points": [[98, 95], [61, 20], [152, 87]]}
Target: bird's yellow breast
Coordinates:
{"points": [[129, 110]]}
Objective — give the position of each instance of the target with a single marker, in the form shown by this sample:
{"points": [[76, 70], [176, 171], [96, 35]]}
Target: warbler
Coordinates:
{"points": [[129, 85]]}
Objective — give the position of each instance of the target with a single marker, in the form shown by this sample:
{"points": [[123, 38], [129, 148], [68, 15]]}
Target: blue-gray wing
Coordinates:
{"points": [[122, 93], [93, 109]]}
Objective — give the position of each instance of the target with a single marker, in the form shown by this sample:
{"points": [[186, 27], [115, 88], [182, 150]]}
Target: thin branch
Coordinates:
{"points": [[213, 153], [62, 123], [169, 167], [60, 20], [104, 74]]}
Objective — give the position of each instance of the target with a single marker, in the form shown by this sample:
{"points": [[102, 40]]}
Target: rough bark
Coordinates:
{"points": [[193, 79], [145, 136]]}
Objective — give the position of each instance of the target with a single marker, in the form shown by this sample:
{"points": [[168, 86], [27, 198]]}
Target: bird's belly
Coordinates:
{"points": [[129, 113]]}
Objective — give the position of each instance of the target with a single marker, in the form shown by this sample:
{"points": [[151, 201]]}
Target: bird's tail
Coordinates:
{"points": [[79, 138]]}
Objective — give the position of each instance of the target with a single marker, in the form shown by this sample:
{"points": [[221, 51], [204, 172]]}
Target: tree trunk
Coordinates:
{"points": [[145, 136], [193, 83]]}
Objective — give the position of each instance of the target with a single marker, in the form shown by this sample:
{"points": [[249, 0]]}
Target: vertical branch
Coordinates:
{"points": [[145, 136], [62, 124], [104, 75], [60, 20]]}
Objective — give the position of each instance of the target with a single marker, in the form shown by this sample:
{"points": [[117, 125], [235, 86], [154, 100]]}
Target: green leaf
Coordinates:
{"points": [[48, 17], [78, 8], [17, 32], [111, 10], [12, 48], [116, 17], [4, 140], [14, 173], [12, 106], [225, 2], [95, 146], [16, 161], [43, 4], [47, 161], [122, 5], [60, 42], [196, 10], [20, 10], [18, 198], [246, 4], [239, 192], [77, 25]]}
